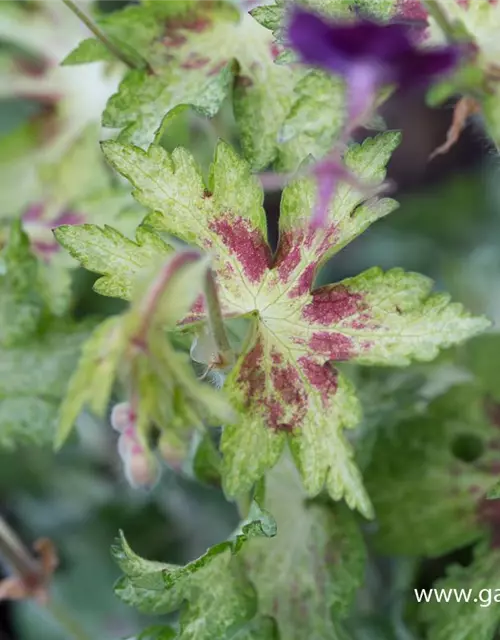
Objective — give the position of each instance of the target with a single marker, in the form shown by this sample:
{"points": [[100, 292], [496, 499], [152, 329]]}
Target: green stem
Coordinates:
{"points": [[435, 11], [216, 320], [100, 35], [154, 294]]}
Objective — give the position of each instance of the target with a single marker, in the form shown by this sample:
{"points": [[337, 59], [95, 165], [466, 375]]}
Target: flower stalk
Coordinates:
{"points": [[216, 321], [31, 577], [100, 35]]}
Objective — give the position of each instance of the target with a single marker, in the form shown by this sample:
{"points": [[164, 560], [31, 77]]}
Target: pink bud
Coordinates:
{"points": [[141, 470], [122, 417]]}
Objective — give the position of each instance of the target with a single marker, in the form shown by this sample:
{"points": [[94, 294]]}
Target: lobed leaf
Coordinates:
{"points": [[307, 576], [215, 597], [284, 386], [106, 251]]}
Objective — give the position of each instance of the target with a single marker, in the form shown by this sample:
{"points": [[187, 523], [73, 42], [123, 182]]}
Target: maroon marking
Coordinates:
{"points": [[189, 23], [304, 282], [252, 375], [248, 245], [287, 257], [280, 399], [174, 39], [195, 62], [333, 346], [196, 313], [217, 68], [276, 357], [331, 304], [322, 377], [411, 10]]}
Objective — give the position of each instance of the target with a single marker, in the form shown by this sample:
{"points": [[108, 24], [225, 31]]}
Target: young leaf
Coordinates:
{"points": [[135, 349], [214, 595], [430, 476], [106, 251], [89, 50], [93, 379], [477, 619], [283, 384], [307, 576]]}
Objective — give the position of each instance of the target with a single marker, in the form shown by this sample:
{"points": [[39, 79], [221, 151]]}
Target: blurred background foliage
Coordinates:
{"points": [[447, 227]]}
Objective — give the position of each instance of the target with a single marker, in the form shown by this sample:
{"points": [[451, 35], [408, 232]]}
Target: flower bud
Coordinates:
{"points": [[122, 417]]}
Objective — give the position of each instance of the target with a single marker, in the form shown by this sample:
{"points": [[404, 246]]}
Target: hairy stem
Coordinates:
{"points": [[153, 296], [226, 354], [100, 35]]}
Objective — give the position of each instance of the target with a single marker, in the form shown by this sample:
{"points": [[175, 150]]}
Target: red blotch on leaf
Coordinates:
{"points": [[333, 346], [321, 376], [279, 395], [174, 39], [287, 260], [331, 304], [217, 68], [246, 244], [197, 311], [411, 10], [195, 62]]}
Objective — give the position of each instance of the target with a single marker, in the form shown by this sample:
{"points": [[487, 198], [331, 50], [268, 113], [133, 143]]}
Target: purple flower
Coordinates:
{"points": [[367, 54]]}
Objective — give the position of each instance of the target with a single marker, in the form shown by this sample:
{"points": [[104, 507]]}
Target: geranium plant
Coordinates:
{"points": [[232, 362]]}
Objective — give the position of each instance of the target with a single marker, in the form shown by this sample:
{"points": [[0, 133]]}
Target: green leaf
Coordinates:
{"points": [[477, 619], [89, 50], [215, 597], [206, 462], [106, 251], [197, 53], [93, 379], [284, 385], [135, 348], [315, 118], [430, 474], [33, 378], [21, 305], [307, 576]]}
